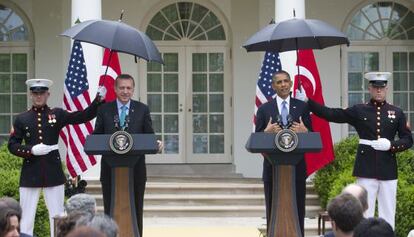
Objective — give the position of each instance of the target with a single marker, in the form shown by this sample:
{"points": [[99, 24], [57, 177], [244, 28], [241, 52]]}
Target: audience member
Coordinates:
{"points": [[72, 221], [359, 192], [345, 212], [374, 227], [9, 222], [11, 203], [85, 231], [104, 224], [81, 202]]}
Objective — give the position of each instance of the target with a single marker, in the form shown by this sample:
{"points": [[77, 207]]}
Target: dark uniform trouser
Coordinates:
{"points": [[139, 187], [300, 195]]}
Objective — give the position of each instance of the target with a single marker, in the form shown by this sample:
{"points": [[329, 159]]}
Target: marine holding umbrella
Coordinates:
{"points": [[377, 124], [34, 138]]}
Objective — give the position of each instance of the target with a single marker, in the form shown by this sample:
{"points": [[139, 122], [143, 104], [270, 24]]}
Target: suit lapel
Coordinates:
{"points": [[131, 114], [275, 111]]}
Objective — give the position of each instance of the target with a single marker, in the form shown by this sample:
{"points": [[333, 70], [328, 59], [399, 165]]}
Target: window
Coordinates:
{"points": [[382, 20], [13, 68], [185, 20]]}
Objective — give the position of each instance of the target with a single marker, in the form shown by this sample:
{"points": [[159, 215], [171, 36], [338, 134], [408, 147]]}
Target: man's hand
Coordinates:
{"points": [[101, 93], [40, 149], [160, 146], [382, 144], [299, 127], [272, 127], [301, 95]]}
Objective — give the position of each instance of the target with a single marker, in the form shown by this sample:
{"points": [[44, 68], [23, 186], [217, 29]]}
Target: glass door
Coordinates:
{"points": [[208, 110], [164, 92]]}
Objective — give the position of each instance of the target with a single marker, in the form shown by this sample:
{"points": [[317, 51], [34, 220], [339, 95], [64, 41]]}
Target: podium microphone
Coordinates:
{"points": [[289, 119], [116, 121], [126, 122]]}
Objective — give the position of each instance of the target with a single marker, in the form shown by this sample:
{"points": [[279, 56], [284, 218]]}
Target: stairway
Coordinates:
{"points": [[205, 197]]}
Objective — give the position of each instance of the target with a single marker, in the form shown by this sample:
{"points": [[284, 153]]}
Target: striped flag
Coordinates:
{"points": [[114, 69], [264, 91], [75, 98]]}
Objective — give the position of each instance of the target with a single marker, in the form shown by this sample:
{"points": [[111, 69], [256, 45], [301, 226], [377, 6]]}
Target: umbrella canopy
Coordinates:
{"points": [[294, 34], [116, 36]]}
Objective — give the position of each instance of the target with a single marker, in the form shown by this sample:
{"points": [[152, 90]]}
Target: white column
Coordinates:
{"points": [[284, 11], [89, 10]]}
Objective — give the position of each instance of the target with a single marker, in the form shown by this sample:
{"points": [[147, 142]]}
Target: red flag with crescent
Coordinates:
{"points": [[311, 83]]}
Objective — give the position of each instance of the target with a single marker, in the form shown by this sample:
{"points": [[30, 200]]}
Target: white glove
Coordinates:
{"points": [[102, 92], [42, 149], [381, 144], [301, 95]]}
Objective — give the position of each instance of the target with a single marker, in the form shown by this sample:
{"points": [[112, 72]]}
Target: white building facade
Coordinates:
{"points": [[202, 99]]}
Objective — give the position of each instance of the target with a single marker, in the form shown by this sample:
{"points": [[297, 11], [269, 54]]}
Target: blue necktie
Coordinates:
{"points": [[284, 112], [122, 116]]}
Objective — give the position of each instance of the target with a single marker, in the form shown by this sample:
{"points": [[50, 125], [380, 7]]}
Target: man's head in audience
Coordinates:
{"points": [[81, 203], [374, 227], [359, 192], [345, 212]]}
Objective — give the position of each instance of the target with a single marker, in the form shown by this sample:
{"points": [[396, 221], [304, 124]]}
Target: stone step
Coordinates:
{"points": [[208, 199]]}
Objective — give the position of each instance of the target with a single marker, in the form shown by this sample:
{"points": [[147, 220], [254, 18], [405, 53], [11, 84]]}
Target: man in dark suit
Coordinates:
{"points": [[281, 106], [114, 116]]}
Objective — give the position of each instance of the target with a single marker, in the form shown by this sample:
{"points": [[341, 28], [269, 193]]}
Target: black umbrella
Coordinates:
{"points": [[295, 34], [117, 36]]}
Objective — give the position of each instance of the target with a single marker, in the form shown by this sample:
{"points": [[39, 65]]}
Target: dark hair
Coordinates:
{"points": [[68, 223], [5, 215], [124, 77], [374, 227], [280, 72], [346, 211], [12, 204]]}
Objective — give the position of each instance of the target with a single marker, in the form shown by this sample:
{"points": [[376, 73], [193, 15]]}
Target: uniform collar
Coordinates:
{"points": [[43, 108], [376, 103]]}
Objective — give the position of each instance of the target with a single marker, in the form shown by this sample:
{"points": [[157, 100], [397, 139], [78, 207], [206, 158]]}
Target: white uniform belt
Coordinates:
{"points": [[365, 142]]}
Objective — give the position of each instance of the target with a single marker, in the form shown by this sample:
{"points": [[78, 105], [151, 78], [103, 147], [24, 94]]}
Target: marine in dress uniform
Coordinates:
{"points": [[377, 124], [34, 137]]}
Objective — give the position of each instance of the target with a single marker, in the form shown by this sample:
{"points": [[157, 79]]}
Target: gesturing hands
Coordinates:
{"points": [[299, 127], [272, 127]]}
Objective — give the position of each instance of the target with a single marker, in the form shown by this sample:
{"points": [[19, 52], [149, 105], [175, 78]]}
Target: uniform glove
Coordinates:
{"points": [[40, 149], [301, 95], [381, 144], [102, 92]]}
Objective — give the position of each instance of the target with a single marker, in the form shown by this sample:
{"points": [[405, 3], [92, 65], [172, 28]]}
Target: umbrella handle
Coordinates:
{"points": [[297, 64], [122, 15]]}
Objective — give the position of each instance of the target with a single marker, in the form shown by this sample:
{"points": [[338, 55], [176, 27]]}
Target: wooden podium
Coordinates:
{"points": [[122, 193], [284, 215]]}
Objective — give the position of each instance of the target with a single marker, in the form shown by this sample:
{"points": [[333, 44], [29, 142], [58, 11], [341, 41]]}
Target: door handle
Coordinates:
{"points": [[189, 110]]}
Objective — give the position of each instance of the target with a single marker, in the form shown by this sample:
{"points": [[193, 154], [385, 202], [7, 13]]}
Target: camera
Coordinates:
{"points": [[73, 187]]}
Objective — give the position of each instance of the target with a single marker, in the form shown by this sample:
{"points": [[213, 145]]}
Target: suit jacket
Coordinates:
{"points": [[42, 125], [269, 110], [372, 120], [139, 122]]}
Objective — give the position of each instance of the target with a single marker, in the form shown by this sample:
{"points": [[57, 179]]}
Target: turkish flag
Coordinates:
{"points": [[311, 83], [114, 69]]}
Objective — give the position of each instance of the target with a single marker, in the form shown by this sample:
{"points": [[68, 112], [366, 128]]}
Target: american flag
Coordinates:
{"points": [[264, 91], [75, 98]]}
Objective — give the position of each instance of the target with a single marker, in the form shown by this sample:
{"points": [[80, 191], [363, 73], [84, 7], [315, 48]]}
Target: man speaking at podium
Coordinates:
{"points": [[133, 117], [271, 116]]}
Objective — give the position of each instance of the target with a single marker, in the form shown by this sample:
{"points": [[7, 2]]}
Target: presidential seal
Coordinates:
{"points": [[286, 140], [121, 142]]}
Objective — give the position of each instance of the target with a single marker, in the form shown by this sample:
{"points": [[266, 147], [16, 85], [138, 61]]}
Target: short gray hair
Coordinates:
{"points": [[105, 224], [81, 202], [359, 192]]}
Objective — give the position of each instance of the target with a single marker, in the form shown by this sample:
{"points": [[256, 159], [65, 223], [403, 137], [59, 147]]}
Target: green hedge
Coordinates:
{"points": [[330, 180], [10, 166]]}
